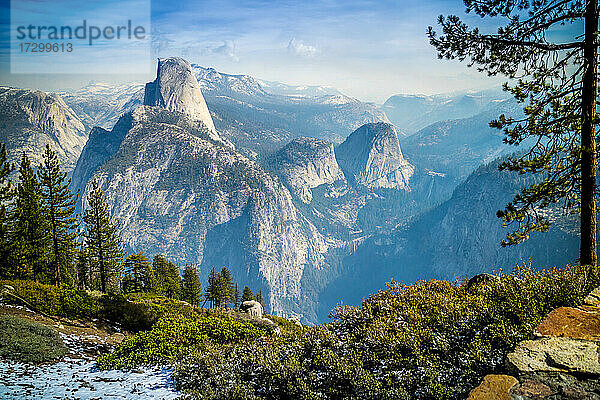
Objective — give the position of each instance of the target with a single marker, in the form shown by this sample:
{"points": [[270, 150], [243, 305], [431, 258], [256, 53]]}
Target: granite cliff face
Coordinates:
{"points": [[31, 119], [306, 163], [179, 190], [101, 104], [176, 89], [371, 157]]}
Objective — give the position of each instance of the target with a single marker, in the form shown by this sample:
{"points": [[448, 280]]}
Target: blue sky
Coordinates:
{"points": [[367, 49]]}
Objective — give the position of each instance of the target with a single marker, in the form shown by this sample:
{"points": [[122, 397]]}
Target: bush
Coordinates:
{"points": [[63, 301], [431, 340], [177, 335], [25, 341]]}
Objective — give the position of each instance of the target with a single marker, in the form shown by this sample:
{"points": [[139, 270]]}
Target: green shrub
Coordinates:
{"points": [[63, 301], [176, 335], [430, 340], [25, 341]]}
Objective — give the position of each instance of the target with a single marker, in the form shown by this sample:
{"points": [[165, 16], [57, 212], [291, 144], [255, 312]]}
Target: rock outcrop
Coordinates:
{"points": [[371, 157], [253, 308], [494, 387], [562, 363], [306, 163], [176, 89], [31, 119]]}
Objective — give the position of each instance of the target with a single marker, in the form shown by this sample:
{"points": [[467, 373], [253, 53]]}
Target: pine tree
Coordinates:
{"points": [[102, 241], [247, 294], [191, 290], [140, 274], [83, 270], [259, 298], [211, 291], [168, 278], [6, 200], [559, 81], [237, 297], [29, 234], [226, 286], [59, 209]]}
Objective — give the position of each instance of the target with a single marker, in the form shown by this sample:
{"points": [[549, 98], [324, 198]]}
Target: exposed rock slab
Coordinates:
{"points": [[593, 299], [572, 323], [554, 354], [494, 387], [532, 389]]}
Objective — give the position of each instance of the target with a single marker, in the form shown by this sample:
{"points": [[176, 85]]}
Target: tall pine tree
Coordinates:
{"points": [[191, 289], [58, 205], [226, 286], [213, 289], [102, 242], [247, 294], [556, 74], [29, 234], [168, 278], [6, 200], [140, 273]]}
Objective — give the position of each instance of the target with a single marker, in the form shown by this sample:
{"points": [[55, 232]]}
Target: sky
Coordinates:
{"points": [[367, 49]]}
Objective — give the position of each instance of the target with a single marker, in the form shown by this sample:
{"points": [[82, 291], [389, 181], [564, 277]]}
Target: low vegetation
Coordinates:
{"points": [[175, 336], [431, 340], [25, 341]]}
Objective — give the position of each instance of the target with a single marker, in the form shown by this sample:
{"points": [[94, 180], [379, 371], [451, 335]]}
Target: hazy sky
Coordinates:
{"points": [[367, 49]]}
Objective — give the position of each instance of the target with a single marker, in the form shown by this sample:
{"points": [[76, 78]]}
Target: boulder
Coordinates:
{"points": [[556, 354], [571, 323], [532, 389], [253, 308], [494, 387], [593, 299]]}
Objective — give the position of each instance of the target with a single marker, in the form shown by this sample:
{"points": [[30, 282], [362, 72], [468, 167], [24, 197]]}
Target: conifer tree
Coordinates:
{"points": [[259, 298], [58, 205], [191, 289], [226, 287], [168, 278], [140, 274], [6, 200], [213, 289], [237, 296], [83, 270], [29, 235], [557, 75], [102, 241], [247, 294]]}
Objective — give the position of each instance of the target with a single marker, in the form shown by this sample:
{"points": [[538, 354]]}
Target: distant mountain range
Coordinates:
{"points": [[410, 113], [308, 194]]}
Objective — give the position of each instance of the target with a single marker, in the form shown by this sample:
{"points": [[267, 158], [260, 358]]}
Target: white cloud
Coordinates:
{"points": [[301, 49], [227, 49]]}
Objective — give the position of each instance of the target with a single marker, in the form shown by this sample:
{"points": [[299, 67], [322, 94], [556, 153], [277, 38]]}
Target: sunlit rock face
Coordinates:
{"points": [[176, 89], [306, 163], [371, 157], [30, 119]]}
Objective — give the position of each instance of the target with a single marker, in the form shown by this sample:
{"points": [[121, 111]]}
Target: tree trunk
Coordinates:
{"points": [[588, 255]]}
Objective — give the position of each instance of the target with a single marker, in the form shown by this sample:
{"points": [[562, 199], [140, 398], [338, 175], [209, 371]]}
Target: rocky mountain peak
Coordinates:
{"points": [[371, 157], [176, 89], [306, 163], [31, 119]]}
